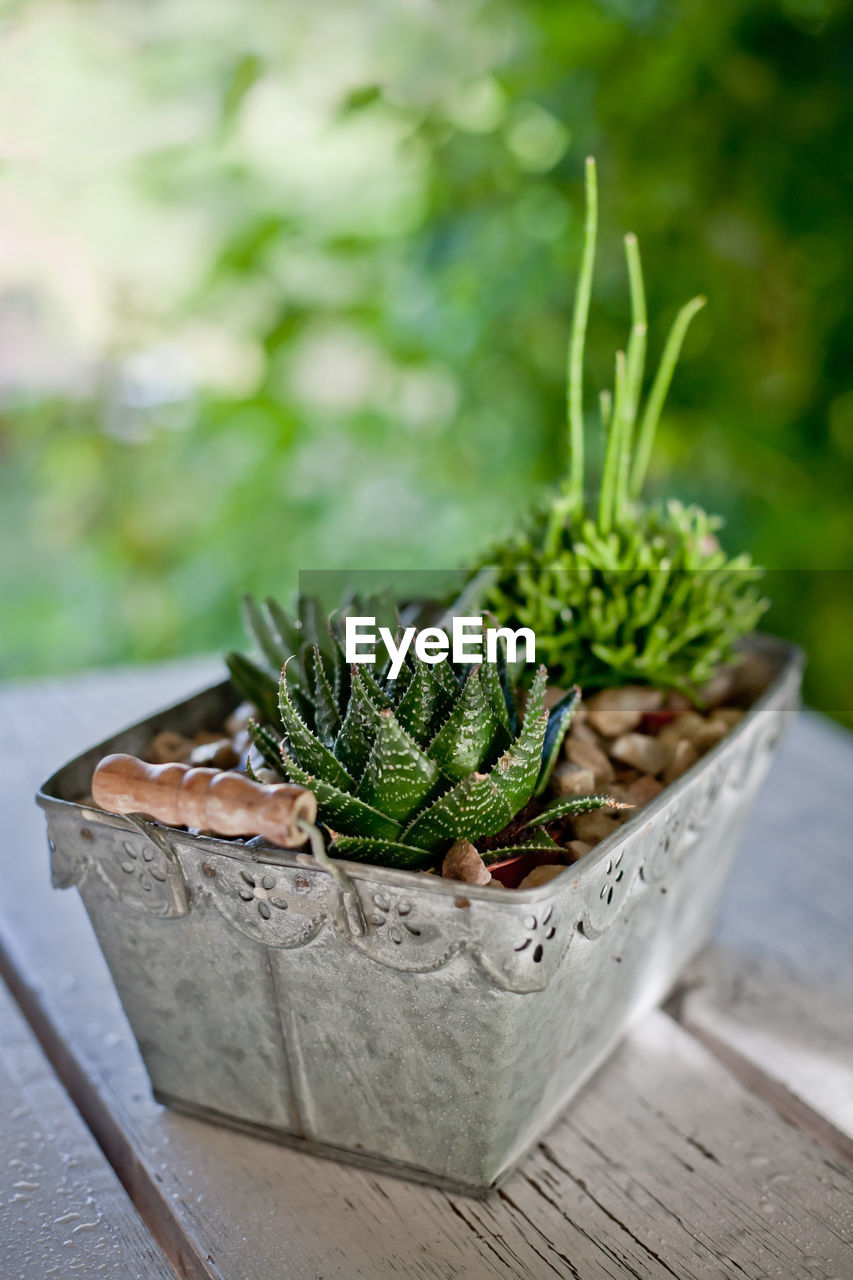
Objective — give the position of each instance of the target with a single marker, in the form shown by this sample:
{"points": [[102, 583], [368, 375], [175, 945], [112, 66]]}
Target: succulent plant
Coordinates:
{"points": [[402, 768], [617, 590]]}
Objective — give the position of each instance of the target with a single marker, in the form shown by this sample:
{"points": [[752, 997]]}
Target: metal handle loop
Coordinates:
{"points": [[352, 915]]}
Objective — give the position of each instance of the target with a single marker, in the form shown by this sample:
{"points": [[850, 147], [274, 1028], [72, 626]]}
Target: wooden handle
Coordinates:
{"points": [[228, 803]]}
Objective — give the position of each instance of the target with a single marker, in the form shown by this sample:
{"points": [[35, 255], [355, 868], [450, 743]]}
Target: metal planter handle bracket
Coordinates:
{"points": [[144, 875], [175, 881], [351, 919]]}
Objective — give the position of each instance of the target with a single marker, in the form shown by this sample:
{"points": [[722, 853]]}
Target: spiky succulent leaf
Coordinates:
{"points": [[364, 849], [359, 728], [373, 689], [422, 704], [267, 641], [572, 805], [538, 842], [327, 717], [559, 719], [396, 687], [446, 678], [484, 803], [254, 685], [495, 693], [398, 776], [250, 772], [474, 807], [467, 738], [268, 745], [340, 810], [340, 668], [312, 624], [306, 748], [286, 628], [507, 686]]}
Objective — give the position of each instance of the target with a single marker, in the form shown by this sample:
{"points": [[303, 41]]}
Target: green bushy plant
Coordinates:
{"points": [[403, 767], [614, 588]]}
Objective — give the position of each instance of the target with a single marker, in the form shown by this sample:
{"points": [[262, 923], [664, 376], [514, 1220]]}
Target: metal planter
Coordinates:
{"points": [[397, 1020]]}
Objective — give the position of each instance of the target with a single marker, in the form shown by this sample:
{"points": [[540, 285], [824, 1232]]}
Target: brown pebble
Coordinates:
{"points": [[684, 757], [689, 726], [586, 755], [240, 717], [571, 780], [642, 790], [463, 862], [592, 827], [218, 754], [578, 848], [712, 732], [205, 736], [730, 716], [647, 754], [582, 731], [541, 875], [614, 711], [167, 747]]}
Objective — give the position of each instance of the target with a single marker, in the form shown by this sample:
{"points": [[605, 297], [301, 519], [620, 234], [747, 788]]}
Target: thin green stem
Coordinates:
{"points": [[569, 503], [609, 478], [635, 279], [574, 388], [605, 405], [636, 355], [634, 365], [657, 395]]}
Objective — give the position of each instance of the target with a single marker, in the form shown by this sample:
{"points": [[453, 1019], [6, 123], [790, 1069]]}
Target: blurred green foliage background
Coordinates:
{"points": [[288, 287]]}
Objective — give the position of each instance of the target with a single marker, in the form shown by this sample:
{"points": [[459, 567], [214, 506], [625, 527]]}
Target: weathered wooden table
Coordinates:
{"points": [[717, 1142]]}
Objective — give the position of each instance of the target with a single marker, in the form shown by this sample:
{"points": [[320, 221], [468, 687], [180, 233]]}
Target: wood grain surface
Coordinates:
{"points": [[63, 1211], [772, 997]]}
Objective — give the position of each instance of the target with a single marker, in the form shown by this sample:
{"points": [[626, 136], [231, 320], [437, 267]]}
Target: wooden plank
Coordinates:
{"points": [[772, 997], [63, 1211], [701, 1177], [665, 1166]]}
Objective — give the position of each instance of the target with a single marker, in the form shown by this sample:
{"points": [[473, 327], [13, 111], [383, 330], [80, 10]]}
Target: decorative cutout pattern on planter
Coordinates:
{"points": [[397, 916], [535, 939], [277, 906], [139, 868]]}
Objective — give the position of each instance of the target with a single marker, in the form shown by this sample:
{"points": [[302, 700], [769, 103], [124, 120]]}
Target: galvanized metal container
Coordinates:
{"points": [[397, 1020]]}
